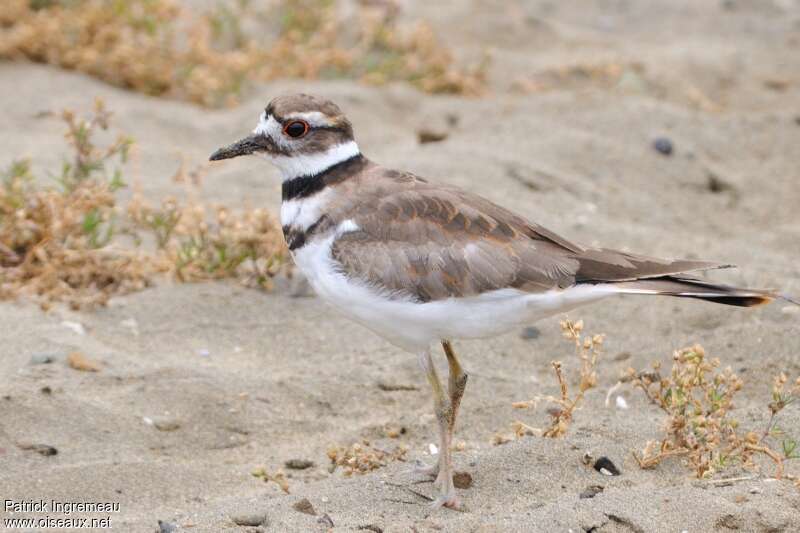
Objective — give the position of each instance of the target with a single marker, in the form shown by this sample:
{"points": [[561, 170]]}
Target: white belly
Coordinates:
{"points": [[414, 326]]}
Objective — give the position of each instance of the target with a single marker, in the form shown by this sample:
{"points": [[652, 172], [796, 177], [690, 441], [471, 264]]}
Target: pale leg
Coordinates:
{"points": [[445, 408]]}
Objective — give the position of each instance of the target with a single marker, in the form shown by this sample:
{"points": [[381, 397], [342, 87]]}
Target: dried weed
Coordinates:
{"points": [[56, 242], [72, 242], [160, 47], [587, 349], [363, 457]]}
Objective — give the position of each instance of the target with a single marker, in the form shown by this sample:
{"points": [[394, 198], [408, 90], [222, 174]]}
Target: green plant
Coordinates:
{"points": [[698, 400]]}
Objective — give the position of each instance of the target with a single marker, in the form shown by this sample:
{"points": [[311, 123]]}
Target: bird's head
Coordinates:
{"points": [[302, 135]]}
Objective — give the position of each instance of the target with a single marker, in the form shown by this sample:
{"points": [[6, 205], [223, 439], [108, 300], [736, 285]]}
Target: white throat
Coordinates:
{"points": [[311, 164]]}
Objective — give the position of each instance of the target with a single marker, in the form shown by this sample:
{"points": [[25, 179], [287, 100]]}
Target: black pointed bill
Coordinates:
{"points": [[247, 146]]}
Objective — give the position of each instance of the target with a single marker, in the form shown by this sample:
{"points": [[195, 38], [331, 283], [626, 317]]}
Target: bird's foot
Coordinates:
{"points": [[421, 468], [449, 500]]}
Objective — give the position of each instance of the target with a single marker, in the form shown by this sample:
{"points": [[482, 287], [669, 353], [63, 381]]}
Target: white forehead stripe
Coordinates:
{"points": [[314, 118], [310, 164], [268, 126]]}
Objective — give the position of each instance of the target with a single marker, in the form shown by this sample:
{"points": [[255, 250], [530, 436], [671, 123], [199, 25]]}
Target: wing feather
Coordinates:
{"points": [[431, 242]]}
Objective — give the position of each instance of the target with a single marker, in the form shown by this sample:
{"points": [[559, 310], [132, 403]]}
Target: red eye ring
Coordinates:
{"points": [[296, 129]]}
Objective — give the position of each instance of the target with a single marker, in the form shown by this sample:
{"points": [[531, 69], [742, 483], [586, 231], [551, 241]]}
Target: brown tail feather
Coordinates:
{"points": [[700, 289]]}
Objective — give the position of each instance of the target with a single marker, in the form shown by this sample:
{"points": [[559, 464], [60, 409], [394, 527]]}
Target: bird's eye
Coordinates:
{"points": [[296, 129]]}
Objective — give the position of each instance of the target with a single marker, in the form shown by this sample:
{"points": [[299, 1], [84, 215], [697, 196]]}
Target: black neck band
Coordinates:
{"points": [[305, 186]]}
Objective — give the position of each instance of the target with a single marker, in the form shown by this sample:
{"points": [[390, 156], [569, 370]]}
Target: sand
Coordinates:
{"points": [[242, 379]]}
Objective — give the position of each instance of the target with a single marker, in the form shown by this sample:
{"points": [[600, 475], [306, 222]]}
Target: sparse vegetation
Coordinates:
{"points": [[279, 478], [619, 76], [587, 350], [160, 47], [56, 242], [364, 456], [75, 242], [698, 400]]}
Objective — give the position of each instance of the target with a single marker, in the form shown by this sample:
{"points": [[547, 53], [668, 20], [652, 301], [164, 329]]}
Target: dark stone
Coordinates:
{"points": [[716, 184], [622, 356], [530, 333], [426, 135], [325, 520], [42, 358], [663, 146], [370, 527], [298, 464], [166, 527], [392, 387], [605, 466], [304, 506], [462, 480], [41, 449]]}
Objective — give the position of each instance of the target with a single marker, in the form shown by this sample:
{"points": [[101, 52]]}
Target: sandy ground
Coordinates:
{"points": [[256, 379]]}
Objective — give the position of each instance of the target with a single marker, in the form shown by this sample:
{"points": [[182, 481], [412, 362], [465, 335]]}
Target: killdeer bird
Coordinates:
{"points": [[420, 263]]}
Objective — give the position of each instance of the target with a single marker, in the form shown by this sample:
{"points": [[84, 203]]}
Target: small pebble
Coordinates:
{"points": [[394, 432], [591, 491], [426, 135], [162, 423], [606, 467], [622, 356], [249, 519], [166, 527], [78, 361], [42, 358], [370, 527], [433, 449], [716, 184], [41, 449], [298, 464], [325, 520], [530, 333], [304, 506], [76, 327], [462, 480], [621, 402], [663, 146], [392, 387], [46, 390]]}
